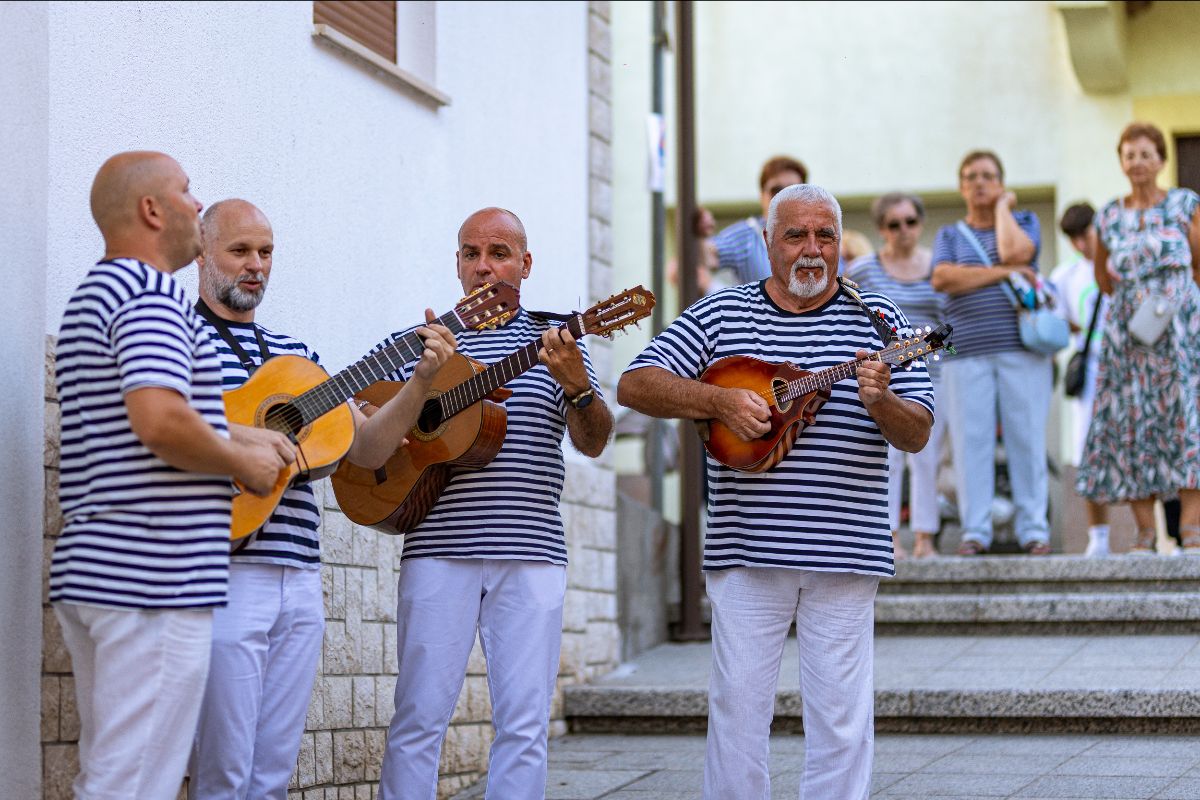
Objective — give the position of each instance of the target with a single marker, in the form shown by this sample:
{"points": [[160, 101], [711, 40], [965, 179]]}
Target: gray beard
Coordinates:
{"points": [[806, 288], [232, 296]]}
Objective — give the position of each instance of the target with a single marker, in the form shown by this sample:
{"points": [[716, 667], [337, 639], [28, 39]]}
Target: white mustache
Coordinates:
{"points": [[252, 276], [808, 263]]}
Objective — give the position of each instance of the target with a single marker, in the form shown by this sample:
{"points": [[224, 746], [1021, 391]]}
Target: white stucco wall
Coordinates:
{"points": [[23, 165], [364, 183]]}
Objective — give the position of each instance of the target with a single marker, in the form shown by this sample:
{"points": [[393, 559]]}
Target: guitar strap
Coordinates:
{"points": [[887, 333], [223, 331]]}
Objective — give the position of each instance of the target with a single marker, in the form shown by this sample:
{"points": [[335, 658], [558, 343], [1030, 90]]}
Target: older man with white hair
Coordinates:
{"points": [[808, 540]]}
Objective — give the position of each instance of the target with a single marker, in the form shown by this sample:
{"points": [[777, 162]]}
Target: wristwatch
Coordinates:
{"points": [[583, 399]]}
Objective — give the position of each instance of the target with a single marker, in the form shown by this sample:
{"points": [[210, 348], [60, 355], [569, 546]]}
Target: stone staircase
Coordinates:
{"points": [[986, 644]]}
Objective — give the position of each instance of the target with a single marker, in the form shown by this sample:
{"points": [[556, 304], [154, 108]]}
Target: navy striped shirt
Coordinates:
{"points": [[289, 538], [137, 532], [741, 248], [921, 304], [984, 320], [508, 509], [824, 507]]}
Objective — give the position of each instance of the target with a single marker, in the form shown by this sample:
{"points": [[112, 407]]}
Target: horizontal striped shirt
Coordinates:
{"points": [[921, 304], [289, 538], [824, 506], [984, 320], [741, 248], [137, 532], [509, 508]]}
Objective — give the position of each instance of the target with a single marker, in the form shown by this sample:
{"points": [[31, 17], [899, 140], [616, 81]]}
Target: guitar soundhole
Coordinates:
{"points": [[286, 419], [431, 417]]}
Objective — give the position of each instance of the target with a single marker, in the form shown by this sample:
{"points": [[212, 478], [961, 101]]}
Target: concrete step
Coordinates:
{"points": [[924, 684], [1134, 612], [999, 575]]}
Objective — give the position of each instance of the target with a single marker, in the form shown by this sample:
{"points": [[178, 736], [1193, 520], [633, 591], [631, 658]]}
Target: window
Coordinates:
{"points": [[1187, 160], [398, 39]]}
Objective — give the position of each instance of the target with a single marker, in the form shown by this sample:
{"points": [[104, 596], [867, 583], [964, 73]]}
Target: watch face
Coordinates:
{"points": [[584, 401]]}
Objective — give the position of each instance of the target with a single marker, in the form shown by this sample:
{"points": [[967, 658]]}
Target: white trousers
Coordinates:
{"points": [[516, 606], [265, 649], [139, 676], [922, 487], [752, 610]]}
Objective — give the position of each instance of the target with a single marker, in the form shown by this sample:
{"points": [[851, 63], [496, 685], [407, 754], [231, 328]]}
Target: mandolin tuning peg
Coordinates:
{"points": [[937, 357]]}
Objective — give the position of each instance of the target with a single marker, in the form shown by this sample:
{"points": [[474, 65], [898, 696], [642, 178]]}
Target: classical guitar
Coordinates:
{"points": [[294, 396], [460, 427], [794, 396]]}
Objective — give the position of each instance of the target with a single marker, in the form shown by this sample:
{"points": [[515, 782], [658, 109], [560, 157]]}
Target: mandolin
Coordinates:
{"points": [[296, 397], [462, 426], [794, 396]]}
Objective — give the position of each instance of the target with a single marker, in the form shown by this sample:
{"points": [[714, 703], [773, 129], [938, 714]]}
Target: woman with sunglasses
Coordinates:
{"points": [[901, 272]]}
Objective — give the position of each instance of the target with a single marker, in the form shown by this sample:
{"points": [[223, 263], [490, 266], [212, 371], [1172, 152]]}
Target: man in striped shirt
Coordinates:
{"points": [[491, 555], [267, 641], [808, 540], [145, 492], [740, 247]]}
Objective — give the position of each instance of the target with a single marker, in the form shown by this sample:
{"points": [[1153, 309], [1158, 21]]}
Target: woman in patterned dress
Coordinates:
{"points": [[900, 271], [1144, 441]]}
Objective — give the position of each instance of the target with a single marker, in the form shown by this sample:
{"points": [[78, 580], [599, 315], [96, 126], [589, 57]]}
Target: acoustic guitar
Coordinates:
{"points": [[794, 396], [296, 397], [462, 426]]}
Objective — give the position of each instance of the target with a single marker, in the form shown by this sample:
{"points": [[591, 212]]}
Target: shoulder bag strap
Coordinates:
{"points": [[965, 230], [1087, 341]]}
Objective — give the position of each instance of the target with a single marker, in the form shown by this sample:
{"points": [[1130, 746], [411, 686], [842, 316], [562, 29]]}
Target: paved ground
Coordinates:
{"points": [[611, 767]]}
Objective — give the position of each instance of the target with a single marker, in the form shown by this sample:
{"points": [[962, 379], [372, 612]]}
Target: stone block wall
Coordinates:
{"points": [[343, 744]]}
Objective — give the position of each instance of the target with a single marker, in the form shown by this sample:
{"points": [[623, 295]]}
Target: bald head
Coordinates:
{"points": [[498, 216], [143, 206], [231, 213]]}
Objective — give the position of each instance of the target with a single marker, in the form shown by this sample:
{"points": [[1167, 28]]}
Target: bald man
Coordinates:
{"points": [[145, 492], [491, 555], [267, 641]]}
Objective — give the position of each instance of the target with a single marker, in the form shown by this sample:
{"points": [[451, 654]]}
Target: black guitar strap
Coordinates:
{"points": [[223, 331], [887, 333]]}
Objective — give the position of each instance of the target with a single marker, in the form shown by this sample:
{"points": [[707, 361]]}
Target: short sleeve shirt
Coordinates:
{"points": [[984, 320], [137, 532], [509, 508], [825, 505]]}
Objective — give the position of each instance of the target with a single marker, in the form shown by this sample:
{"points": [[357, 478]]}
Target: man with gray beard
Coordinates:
{"points": [[808, 540], [266, 642]]}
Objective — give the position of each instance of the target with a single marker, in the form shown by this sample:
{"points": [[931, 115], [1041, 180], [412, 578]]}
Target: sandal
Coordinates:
{"points": [[1189, 539], [1037, 548], [898, 551], [970, 547], [1143, 543], [923, 546]]}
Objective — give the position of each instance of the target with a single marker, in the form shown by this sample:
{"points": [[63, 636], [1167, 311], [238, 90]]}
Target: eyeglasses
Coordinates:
{"points": [[981, 176], [911, 222]]}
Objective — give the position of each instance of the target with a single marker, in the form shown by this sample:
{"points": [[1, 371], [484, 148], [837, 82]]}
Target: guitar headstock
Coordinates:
{"points": [[489, 306], [618, 311], [925, 342]]}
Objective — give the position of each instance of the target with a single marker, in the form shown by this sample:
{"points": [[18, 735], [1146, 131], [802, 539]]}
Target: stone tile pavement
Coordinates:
{"points": [[665, 767]]}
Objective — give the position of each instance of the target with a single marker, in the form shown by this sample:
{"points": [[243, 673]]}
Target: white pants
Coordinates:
{"points": [[139, 676], [922, 487], [265, 649], [517, 608], [752, 610]]}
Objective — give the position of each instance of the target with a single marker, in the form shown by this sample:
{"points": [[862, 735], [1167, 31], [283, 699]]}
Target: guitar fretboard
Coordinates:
{"points": [[827, 377], [483, 383], [327, 395]]}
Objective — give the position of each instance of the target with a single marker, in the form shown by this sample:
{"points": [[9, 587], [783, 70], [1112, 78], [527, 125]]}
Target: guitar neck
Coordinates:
{"points": [[326, 396], [481, 384]]}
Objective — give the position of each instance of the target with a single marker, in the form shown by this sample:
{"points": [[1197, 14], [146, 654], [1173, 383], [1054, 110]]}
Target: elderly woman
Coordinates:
{"points": [[1144, 441], [993, 371], [901, 271]]}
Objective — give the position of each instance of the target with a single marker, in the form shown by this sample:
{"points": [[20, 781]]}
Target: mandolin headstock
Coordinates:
{"points": [[927, 342]]}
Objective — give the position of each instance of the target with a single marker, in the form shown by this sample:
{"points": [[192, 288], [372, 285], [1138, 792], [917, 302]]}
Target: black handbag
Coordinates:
{"points": [[1075, 377]]}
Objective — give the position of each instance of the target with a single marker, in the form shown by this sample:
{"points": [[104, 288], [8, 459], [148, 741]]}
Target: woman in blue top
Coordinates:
{"points": [[900, 271], [993, 371]]}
